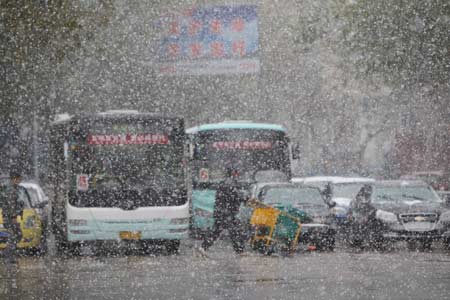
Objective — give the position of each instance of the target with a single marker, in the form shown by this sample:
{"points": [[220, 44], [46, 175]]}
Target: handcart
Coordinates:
{"points": [[276, 230]]}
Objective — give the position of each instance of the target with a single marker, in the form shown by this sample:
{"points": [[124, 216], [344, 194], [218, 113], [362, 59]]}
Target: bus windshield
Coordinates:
{"points": [[128, 155], [247, 150], [141, 161]]}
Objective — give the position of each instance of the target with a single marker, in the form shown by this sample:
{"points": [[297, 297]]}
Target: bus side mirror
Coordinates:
{"points": [[191, 152], [295, 151]]}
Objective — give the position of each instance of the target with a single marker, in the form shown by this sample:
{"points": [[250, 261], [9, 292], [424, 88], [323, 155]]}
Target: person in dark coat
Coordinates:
{"points": [[362, 203], [12, 207], [228, 201]]}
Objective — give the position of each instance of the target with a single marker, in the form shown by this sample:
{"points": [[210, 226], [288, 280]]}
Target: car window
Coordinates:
{"points": [[34, 197], [292, 195], [41, 193], [23, 196], [346, 190]]}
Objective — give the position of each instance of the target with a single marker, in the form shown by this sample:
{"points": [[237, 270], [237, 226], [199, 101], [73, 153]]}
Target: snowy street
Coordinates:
{"points": [[343, 274]]}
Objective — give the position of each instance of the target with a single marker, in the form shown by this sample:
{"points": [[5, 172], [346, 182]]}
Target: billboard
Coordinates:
{"points": [[209, 40]]}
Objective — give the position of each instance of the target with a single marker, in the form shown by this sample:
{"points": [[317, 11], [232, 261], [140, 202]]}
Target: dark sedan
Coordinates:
{"points": [[407, 210], [316, 228]]}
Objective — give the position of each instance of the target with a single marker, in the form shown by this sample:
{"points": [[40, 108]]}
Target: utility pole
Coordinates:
{"points": [[35, 148]]}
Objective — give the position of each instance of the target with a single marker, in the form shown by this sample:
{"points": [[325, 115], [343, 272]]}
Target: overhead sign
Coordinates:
{"points": [[209, 40]]}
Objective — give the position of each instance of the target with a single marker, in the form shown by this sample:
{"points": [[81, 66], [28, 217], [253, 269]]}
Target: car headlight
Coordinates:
{"points": [[445, 219], [202, 213], [319, 220], [338, 211], [386, 217]]}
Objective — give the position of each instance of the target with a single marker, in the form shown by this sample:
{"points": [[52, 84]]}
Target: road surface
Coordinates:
{"points": [[342, 274]]}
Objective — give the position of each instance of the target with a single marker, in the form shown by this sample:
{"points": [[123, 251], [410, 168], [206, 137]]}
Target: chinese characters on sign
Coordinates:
{"points": [[210, 40], [242, 145], [128, 139]]}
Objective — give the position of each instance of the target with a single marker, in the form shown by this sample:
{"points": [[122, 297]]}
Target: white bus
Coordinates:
{"points": [[118, 176]]}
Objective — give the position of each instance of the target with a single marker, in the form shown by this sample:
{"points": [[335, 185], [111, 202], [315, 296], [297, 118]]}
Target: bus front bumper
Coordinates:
{"points": [[147, 223], [164, 229]]}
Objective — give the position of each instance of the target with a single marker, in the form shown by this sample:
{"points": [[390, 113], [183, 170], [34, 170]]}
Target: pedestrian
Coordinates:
{"points": [[228, 201], [363, 201], [12, 207], [327, 195]]}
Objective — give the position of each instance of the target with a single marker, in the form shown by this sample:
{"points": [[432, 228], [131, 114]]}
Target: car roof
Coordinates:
{"points": [[436, 172], [333, 179], [284, 184], [417, 174], [400, 182]]}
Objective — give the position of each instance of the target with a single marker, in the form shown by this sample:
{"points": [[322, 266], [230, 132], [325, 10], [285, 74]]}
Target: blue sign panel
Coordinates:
{"points": [[210, 40]]}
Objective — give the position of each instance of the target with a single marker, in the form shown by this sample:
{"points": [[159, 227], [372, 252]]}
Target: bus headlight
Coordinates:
{"points": [[77, 222], [180, 221]]}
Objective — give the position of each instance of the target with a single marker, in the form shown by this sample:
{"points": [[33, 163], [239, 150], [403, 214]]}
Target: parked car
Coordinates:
{"points": [[316, 229], [402, 210], [31, 223], [445, 196], [344, 189], [39, 201], [439, 180]]}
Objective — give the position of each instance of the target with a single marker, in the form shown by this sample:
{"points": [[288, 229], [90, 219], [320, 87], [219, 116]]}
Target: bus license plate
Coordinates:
{"points": [[130, 235]]}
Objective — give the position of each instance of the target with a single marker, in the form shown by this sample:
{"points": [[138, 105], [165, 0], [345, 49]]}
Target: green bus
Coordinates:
{"points": [[259, 151]]}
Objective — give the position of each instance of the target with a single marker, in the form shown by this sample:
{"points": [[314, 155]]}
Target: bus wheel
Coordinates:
{"points": [[172, 246], [68, 248]]}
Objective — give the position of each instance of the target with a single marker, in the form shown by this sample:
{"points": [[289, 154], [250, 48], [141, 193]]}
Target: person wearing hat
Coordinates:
{"points": [[12, 207], [362, 216], [228, 201]]}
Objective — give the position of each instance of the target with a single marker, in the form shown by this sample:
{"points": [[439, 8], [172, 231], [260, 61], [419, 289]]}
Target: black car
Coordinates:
{"points": [[317, 226], [400, 210]]}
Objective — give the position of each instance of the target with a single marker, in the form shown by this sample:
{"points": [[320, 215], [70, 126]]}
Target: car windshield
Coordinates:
{"points": [[33, 196], [404, 193], [22, 195], [346, 190], [292, 196]]}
